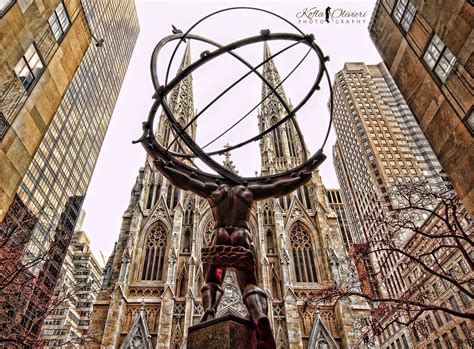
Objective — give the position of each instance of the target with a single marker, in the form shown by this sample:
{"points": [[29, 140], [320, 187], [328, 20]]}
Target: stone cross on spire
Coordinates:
{"points": [[228, 163]]}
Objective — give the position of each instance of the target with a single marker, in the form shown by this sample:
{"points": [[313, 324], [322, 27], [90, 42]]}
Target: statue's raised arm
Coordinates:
{"points": [[184, 180], [280, 187]]}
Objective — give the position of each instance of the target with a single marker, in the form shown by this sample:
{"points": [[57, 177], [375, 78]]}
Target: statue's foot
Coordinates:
{"points": [[265, 338], [209, 314]]}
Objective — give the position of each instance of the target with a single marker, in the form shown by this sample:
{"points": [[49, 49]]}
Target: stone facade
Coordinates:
{"points": [[26, 110], [296, 237], [435, 82]]}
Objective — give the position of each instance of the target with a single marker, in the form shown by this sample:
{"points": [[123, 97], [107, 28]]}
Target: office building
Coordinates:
{"points": [[427, 47], [77, 286], [378, 146], [68, 78]]}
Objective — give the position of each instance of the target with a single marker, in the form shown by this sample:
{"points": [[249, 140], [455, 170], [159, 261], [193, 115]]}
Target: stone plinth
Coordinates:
{"points": [[227, 332]]}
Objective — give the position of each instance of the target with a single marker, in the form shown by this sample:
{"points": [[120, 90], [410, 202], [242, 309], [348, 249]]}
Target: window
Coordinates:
{"points": [[291, 141], [439, 58], [172, 196], [155, 249], [303, 256], [270, 242], [467, 330], [3, 125], [5, 5], [454, 303], [278, 145], [469, 120], [447, 341], [59, 22], [465, 299], [30, 67], [404, 13], [439, 322], [267, 215], [405, 342], [456, 336]]}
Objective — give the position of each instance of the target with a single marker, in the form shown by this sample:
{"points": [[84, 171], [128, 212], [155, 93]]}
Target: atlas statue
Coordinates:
{"points": [[230, 196], [232, 243]]}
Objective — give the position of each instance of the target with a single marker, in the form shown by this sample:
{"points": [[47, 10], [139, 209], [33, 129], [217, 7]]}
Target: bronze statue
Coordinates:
{"points": [[232, 244], [230, 196]]}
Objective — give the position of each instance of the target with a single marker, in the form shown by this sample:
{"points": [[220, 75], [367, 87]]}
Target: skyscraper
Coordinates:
{"points": [[378, 145], [54, 183], [151, 291], [79, 281], [427, 46], [42, 46]]}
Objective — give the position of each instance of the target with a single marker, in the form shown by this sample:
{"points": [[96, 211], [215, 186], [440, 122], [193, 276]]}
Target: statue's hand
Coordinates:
{"points": [[304, 174]]}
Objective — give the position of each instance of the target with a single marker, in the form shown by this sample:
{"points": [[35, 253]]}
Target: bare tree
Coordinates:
{"points": [[27, 281], [419, 263]]}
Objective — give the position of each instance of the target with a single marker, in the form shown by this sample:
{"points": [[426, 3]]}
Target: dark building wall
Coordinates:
{"points": [[62, 165], [441, 108]]}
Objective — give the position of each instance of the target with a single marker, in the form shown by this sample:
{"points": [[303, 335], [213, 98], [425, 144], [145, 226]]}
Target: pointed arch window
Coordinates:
{"points": [[155, 250], [187, 240], [303, 255], [276, 285], [270, 241], [150, 196], [189, 214], [208, 233], [172, 197], [182, 285], [166, 134], [291, 140], [304, 197], [278, 144], [268, 215]]}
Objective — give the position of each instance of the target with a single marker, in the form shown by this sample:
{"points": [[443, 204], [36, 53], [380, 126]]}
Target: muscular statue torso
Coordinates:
{"points": [[231, 206]]}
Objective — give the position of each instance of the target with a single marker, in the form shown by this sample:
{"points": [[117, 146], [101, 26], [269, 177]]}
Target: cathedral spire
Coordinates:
{"points": [[181, 102], [186, 61], [281, 150]]}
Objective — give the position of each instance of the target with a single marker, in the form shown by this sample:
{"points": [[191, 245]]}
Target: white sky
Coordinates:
{"points": [[119, 160]]}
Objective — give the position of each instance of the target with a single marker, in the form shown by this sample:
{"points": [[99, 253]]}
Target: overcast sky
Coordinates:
{"points": [[343, 39]]}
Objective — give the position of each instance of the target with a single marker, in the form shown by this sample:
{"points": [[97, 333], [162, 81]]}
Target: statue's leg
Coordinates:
{"points": [[212, 291], [211, 295], [254, 297]]}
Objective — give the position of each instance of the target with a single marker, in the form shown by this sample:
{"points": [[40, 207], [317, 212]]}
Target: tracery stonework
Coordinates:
{"points": [[164, 229]]}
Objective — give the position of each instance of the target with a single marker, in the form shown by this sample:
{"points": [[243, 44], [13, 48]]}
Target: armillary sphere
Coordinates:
{"points": [[162, 90]]}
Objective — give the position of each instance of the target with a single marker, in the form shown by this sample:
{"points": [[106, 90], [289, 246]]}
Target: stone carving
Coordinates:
{"points": [[142, 291], [278, 311], [232, 297], [320, 336], [139, 334]]}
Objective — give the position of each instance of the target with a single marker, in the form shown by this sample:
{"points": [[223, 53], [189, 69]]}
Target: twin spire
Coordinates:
{"points": [[279, 152]]}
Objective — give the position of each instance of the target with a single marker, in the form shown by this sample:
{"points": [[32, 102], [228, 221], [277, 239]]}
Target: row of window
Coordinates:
{"points": [[31, 65], [437, 56], [302, 246]]}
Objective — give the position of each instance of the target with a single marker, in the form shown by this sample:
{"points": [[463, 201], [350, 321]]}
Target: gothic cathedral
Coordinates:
{"points": [[151, 287]]}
